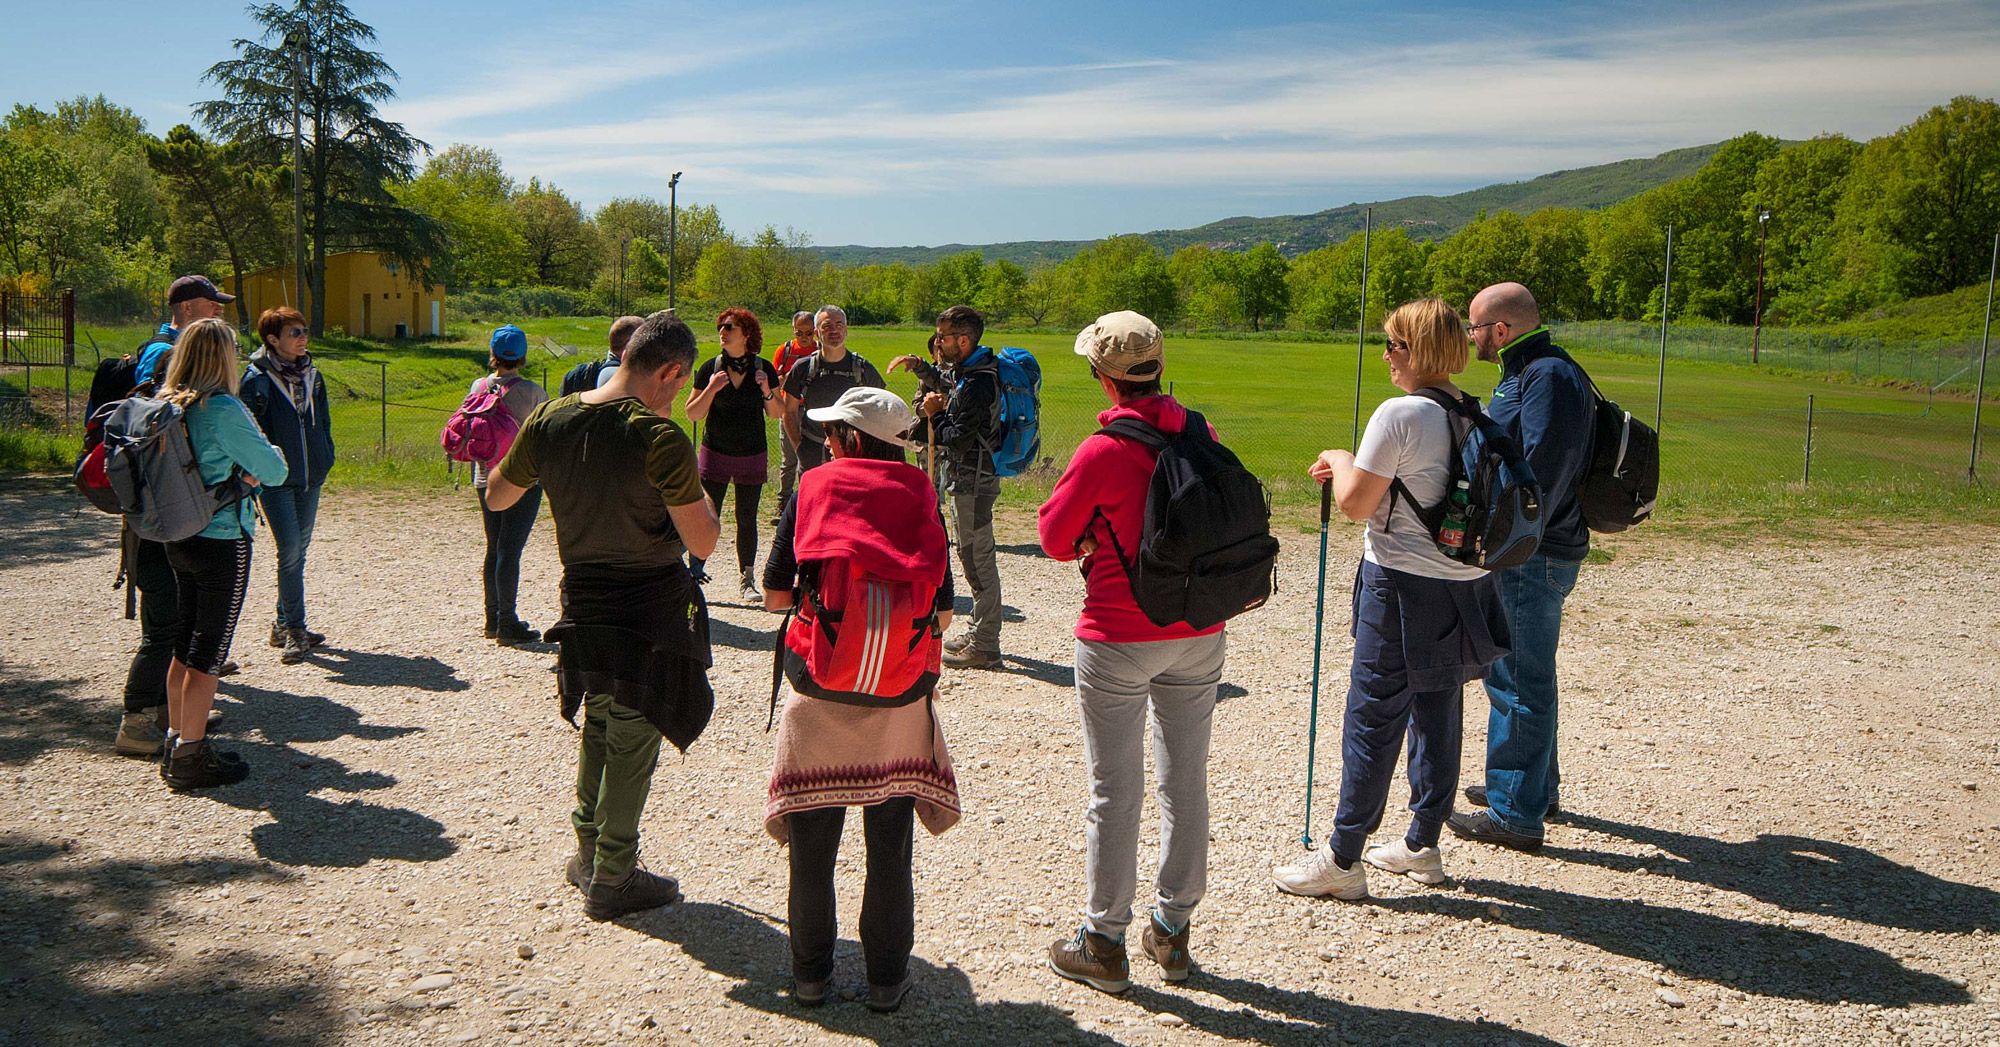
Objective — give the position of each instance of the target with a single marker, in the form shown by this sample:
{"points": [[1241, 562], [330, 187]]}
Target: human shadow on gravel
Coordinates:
{"points": [[1031, 549], [287, 717], [723, 633], [961, 608], [44, 713], [756, 951], [1037, 669], [44, 521], [1782, 962], [375, 669], [77, 964], [1801, 874]]}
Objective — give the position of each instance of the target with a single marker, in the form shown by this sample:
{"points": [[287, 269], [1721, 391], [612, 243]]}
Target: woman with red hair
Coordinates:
{"points": [[731, 395]]}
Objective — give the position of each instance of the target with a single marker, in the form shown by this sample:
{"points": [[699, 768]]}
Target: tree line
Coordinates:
{"points": [[90, 199]]}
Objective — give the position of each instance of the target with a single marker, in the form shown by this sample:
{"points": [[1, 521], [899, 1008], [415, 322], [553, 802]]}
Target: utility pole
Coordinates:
{"points": [[622, 245], [1985, 339], [295, 46], [1757, 321], [1361, 325], [673, 238]]}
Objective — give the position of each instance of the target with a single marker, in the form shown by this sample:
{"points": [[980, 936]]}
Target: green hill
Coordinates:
{"points": [[1426, 217]]}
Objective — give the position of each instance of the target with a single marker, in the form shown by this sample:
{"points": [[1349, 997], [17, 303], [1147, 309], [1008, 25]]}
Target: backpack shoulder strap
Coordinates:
{"points": [[1460, 413], [1139, 432]]}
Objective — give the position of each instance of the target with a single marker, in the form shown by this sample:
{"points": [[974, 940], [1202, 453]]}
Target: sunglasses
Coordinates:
{"points": [[1398, 347], [725, 327], [296, 332]]}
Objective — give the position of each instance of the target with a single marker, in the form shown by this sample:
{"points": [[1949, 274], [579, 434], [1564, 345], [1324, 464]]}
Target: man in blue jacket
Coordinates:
{"points": [[1544, 401], [967, 427], [284, 392]]}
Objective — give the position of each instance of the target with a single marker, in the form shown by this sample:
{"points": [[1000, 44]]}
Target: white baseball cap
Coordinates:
{"points": [[877, 412]]}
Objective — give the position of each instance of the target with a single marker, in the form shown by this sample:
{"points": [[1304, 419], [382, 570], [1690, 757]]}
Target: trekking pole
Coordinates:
{"points": [[1319, 631]]}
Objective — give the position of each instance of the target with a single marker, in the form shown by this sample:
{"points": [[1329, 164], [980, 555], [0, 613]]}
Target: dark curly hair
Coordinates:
{"points": [[753, 332]]}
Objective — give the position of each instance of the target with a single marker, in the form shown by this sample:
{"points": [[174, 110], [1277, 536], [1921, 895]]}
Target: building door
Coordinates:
{"points": [[434, 319], [367, 315]]}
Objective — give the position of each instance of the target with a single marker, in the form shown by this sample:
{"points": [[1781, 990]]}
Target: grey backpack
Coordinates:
{"points": [[152, 469]]}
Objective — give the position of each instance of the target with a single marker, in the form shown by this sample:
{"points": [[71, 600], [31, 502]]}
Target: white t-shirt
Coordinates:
{"points": [[1409, 437]]}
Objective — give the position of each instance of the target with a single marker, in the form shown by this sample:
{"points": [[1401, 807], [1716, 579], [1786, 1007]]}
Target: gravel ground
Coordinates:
{"points": [[1781, 763]]}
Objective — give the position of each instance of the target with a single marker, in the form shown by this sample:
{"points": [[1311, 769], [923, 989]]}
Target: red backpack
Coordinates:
{"points": [[871, 554], [482, 429]]}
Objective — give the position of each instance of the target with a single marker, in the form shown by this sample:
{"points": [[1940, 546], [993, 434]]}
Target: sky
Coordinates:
{"points": [[924, 123]]}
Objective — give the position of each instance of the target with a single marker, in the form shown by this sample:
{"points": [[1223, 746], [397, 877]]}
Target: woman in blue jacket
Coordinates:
{"points": [[211, 569], [283, 391]]}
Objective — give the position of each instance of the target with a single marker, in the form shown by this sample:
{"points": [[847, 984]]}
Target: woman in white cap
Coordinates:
{"points": [[860, 555]]}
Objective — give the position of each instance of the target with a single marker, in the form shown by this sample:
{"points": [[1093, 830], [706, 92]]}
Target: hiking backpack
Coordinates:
{"points": [[114, 380], [482, 429], [864, 629], [151, 468], [1503, 516], [1020, 411], [1206, 554], [1619, 488]]}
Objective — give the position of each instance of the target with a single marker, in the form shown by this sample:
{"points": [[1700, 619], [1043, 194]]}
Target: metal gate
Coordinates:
{"points": [[38, 358]]}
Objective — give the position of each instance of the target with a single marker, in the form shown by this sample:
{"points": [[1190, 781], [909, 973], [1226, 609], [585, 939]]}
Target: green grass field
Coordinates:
{"points": [[1733, 437]]}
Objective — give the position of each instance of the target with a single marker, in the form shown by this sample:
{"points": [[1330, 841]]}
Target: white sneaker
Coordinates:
{"points": [[1318, 877], [1424, 866]]}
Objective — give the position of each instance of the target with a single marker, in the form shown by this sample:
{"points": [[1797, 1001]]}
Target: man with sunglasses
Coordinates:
{"points": [[804, 343], [1544, 401], [818, 380]]}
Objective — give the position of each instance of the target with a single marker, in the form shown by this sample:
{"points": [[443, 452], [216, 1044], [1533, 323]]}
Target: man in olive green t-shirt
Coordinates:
{"points": [[621, 482]]}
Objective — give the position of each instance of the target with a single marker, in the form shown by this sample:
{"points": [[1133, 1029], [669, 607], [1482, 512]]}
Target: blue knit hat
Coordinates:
{"points": [[510, 344]]}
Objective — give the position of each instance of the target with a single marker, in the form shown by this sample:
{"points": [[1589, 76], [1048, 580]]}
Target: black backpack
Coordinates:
{"points": [[1623, 481], [116, 379], [1206, 554], [1503, 517]]}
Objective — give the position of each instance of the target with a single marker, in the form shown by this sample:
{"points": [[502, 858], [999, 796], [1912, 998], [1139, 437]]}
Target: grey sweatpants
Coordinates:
{"points": [[972, 505], [1115, 684]]}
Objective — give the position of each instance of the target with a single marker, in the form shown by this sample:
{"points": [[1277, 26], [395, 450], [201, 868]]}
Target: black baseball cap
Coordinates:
{"points": [[189, 288]]}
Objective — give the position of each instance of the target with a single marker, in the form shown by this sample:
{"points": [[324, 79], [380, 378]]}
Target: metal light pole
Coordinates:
{"points": [[1361, 325], [622, 245], [294, 44], [1666, 298], [1985, 337], [673, 238], [1757, 321]]}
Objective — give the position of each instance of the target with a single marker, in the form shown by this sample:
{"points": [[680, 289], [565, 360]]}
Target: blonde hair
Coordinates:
{"points": [[203, 362], [1434, 334]]}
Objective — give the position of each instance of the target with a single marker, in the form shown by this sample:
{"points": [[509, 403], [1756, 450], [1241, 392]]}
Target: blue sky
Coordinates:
{"points": [[937, 122]]}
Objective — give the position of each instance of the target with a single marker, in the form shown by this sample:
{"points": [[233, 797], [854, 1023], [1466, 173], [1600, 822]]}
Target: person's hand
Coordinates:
{"points": [[1086, 545], [905, 362], [1322, 467], [944, 620], [935, 402], [719, 379], [250, 481], [763, 382]]}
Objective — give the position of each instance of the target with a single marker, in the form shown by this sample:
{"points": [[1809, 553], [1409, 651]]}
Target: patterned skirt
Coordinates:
{"points": [[835, 755]]}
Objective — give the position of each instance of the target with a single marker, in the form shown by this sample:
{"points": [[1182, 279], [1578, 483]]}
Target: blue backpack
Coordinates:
{"points": [[1503, 513], [1020, 411]]}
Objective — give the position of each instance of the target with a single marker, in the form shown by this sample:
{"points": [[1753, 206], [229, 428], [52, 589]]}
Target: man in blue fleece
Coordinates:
{"points": [[1544, 401]]}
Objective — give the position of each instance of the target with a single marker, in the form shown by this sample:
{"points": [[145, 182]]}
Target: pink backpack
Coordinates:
{"points": [[482, 429]]}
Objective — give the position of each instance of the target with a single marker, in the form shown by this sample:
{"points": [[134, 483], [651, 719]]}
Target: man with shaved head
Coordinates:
{"points": [[1544, 401]]}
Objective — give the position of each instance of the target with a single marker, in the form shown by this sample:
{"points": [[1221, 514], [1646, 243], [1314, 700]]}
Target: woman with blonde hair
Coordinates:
{"points": [[1424, 622], [211, 569]]}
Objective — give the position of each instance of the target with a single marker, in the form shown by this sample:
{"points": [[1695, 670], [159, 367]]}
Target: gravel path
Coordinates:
{"points": [[1781, 760]]}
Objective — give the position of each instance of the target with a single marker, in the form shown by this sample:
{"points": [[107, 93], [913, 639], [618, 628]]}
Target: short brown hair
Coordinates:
{"points": [[272, 323], [963, 319], [621, 332], [1434, 334]]}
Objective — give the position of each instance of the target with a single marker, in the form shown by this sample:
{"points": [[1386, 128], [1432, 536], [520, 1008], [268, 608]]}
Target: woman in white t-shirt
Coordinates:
{"points": [[1424, 623]]}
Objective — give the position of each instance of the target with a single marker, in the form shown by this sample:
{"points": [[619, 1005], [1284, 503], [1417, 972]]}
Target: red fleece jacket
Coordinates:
{"points": [[1110, 474]]}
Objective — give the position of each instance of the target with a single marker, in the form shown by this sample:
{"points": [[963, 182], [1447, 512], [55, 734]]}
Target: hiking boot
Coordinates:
{"points": [[638, 891], [752, 595], [580, 867], [810, 992], [139, 734], [1092, 959], [885, 999], [278, 630], [1424, 865], [514, 631], [200, 766], [1169, 950], [1476, 796], [297, 646], [972, 658], [1481, 827], [958, 643], [1319, 876], [229, 668]]}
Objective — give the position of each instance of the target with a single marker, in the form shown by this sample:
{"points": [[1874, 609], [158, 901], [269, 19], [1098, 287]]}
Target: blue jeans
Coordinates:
{"points": [[291, 512], [1521, 730]]}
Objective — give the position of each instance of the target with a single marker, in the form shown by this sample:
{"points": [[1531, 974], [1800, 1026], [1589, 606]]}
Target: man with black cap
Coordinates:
{"points": [[142, 731]]}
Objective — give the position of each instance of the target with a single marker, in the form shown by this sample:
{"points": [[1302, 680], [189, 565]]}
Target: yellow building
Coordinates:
{"points": [[368, 294]]}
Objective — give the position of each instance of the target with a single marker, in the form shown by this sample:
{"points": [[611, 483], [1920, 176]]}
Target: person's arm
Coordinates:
{"points": [[501, 493], [781, 568], [698, 527], [1356, 491], [1555, 429], [1064, 520], [671, 469], [768, 387], [701, 399], [794, 396], [245, 444], [516, 472], [967, 421]]}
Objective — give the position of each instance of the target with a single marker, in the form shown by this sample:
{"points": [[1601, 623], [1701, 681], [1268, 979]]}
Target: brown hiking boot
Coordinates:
{"points": [[1170, 951], [581, 866], [298, 646], [638, 891], [139, 734], [1092, 959]]}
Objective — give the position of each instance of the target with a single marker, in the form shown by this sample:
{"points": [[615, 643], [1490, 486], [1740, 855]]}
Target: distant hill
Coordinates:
{"points": [[1426, 217]]}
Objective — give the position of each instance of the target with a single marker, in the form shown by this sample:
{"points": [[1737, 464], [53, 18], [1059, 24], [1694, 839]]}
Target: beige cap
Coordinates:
{"points": [[877, 412], [1123, 345]]}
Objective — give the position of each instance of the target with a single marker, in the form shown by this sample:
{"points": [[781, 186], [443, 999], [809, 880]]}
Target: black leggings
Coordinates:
{"points": [[211, 575], [747, 496], [888, 902]]}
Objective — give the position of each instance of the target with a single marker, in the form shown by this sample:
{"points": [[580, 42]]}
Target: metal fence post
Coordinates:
{"points": [[1666, 298], [383, 451], [1809, 431], [1985, 338], [69, 347], [1361, 325]]}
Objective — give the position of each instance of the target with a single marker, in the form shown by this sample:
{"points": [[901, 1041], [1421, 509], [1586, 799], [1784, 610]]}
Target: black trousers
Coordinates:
{"points": [[210, 576], [506, 535], [747, 496], [159, 626], [888, 902]]}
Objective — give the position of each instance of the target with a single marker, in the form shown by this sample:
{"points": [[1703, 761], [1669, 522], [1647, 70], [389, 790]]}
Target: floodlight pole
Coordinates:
{"points": [[293, 42], [1757, 321], [1361, 325], [1666, 297], [673, 237], [1985, 338]]}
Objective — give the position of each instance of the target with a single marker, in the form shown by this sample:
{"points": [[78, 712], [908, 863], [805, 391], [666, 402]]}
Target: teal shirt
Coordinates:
{"points": [[225, 437]]}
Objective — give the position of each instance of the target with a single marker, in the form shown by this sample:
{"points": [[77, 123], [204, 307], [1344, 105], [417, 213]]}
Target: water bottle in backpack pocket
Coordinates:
{"points": [[1499, 522]]}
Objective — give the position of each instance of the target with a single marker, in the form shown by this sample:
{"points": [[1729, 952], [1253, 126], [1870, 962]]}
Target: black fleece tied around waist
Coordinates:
{"points": [[641, 638]]}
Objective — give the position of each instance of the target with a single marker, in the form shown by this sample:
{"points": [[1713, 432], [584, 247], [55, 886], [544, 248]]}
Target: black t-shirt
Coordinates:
{"points": [[735, 423], [829, 380]]}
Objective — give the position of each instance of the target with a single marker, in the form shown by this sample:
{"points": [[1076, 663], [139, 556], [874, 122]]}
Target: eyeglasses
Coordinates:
{"points": [[1398, 347], [1469, 328], [296, 332], [725, 327]]}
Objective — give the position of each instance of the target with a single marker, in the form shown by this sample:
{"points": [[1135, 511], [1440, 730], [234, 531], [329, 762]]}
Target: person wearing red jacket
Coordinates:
{"points": [[1124, 664]]}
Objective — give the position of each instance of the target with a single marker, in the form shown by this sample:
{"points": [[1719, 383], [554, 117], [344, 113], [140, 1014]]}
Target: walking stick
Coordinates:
{"points": [[1319, 629]]}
